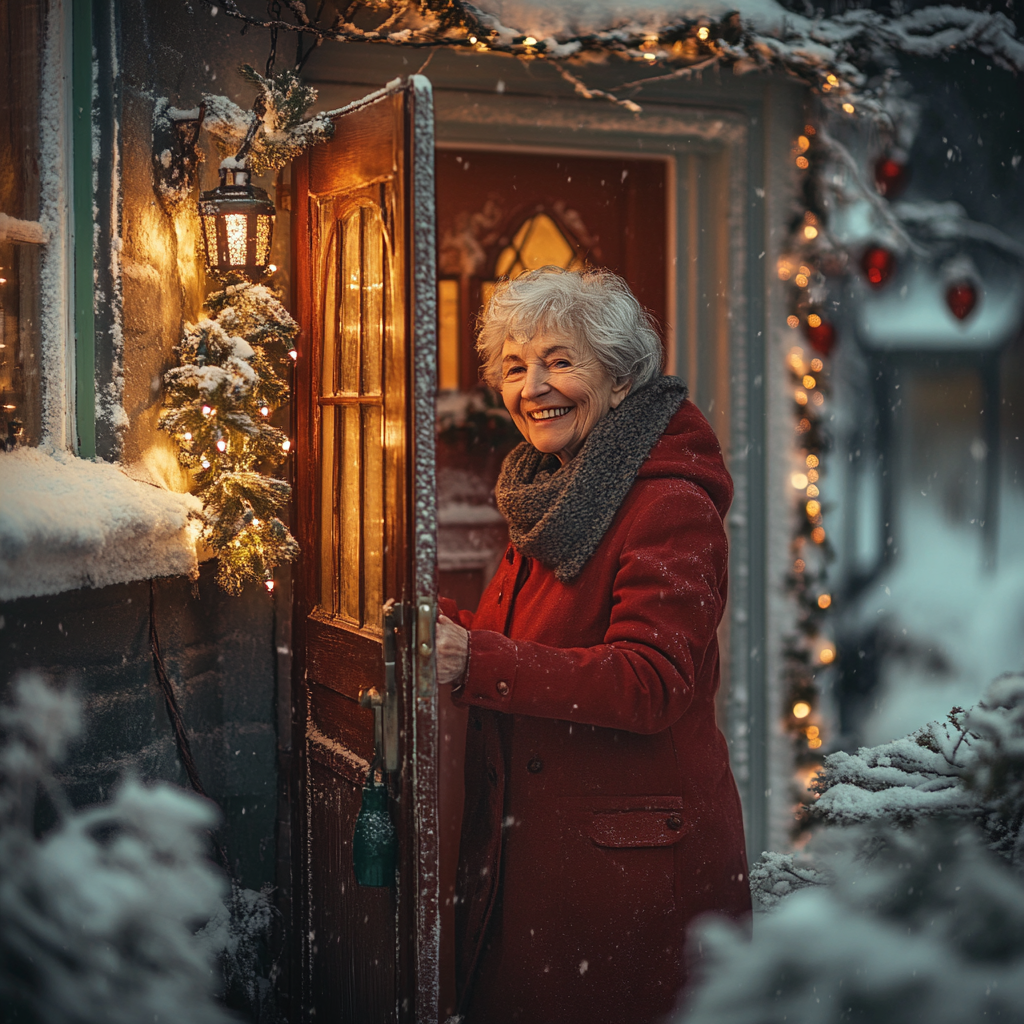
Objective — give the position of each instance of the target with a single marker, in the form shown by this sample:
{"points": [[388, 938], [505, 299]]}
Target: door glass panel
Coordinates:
{"points": [[351, 512], [357, 305], [373, 515], [351, 304], [373, 299], [328, 519]]}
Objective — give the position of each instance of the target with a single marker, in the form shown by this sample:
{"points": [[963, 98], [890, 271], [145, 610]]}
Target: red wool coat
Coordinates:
{"points": [[601, 816]]}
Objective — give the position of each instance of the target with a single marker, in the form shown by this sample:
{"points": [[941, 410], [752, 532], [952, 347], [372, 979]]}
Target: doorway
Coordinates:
{"points": [[501, 212]]}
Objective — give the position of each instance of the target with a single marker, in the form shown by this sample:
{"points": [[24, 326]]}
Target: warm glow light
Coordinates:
{"points": [[809, 129], [703, 32], [207, 410], [255, 521], [799, 565], [848, 107], [816, 364], [269, 584], [812, 475], [792, 321], [187, 435], [293, 354], [812, 461], [824, 600], [803, 426], [529, 41], [264, 411], [814, 744], [222, 446], [810, 231], [813, 508], [812, 732], [808, 381], [649, 56], [271, 268], [813, 321], [817, 398], [818, 535], [831, 79], [803, 142], [827, 656], [205, 463], [803, 163], [286, 444], [235, 225], [812, 491], [799, 480], [801, 279], [801, 709], [801, 397]]}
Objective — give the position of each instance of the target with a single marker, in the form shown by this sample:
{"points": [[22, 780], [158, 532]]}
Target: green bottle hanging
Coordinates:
{"points": [[374, 842]]}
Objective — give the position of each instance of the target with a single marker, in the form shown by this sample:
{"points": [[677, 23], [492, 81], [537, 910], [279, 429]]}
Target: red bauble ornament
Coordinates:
{"points": [[822, 337], [891, 176], [878, 265], [961, 297]]}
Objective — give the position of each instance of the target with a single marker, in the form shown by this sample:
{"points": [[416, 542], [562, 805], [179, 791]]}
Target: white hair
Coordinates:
{"points": [[592, 307]]}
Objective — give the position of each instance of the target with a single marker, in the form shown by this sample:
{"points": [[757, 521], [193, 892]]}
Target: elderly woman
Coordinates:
{"points": [[601, 816]]}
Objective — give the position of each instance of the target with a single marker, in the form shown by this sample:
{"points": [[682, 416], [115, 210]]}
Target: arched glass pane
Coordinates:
{"points": [[539, 242]]}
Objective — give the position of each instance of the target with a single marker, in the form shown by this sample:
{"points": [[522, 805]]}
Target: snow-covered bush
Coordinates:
{"points": [[98, 915], [929, 927], [912, 901]]}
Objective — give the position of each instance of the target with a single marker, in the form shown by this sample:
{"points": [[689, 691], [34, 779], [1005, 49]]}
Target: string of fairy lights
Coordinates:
{"points": [[808, 648]]}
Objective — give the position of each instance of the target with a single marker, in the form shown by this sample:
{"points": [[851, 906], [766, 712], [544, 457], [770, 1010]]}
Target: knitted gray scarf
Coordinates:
{"points": [[559, 514]]}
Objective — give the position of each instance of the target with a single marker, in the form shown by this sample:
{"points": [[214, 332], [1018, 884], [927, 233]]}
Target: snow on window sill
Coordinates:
{"points": [[66, 523]]}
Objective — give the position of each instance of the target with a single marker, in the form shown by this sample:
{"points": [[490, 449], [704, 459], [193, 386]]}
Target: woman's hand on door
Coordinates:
{"points": [[452, 644]]}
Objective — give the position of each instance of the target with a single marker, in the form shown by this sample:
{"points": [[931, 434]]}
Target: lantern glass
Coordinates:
{"points": [[238, 225]]}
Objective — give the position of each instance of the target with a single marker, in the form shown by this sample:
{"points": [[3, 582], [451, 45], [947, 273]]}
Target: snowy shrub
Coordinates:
{"points": [[912, 906], [98, 915], [929, 927], [969, 766]]}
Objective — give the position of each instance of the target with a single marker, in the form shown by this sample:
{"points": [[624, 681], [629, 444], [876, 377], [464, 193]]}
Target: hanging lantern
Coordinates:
{"points": [[961, 297], [891, 176], [878, 264], [820, 333], [238, 223]]}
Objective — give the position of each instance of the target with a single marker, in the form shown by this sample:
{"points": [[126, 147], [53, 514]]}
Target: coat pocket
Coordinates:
{"points": [[637, 822]]}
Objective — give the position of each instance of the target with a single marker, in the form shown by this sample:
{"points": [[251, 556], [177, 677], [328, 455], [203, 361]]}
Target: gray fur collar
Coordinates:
{"points": [[559, 514]]}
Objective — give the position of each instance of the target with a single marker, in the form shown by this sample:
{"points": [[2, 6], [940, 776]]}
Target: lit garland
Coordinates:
{"points": [[838, 56], [220, 399], [808, 649]]}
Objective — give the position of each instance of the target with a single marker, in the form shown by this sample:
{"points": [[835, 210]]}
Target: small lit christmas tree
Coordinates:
{"points": [[230, 379]]}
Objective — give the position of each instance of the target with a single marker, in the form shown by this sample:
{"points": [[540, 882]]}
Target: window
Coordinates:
{"points": [[21, 38]]}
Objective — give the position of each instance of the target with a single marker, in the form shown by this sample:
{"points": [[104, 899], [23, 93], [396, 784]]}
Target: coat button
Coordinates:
{"points": [[674, 823], [492, 774], [535, 764], [502, 687]]}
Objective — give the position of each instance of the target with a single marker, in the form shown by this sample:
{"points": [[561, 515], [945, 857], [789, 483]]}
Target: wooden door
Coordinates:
{"points": [[365, 517]]}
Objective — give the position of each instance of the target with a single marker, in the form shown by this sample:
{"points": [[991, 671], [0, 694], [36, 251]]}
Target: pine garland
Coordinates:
{"points": [[229, 380], [283, 134]]}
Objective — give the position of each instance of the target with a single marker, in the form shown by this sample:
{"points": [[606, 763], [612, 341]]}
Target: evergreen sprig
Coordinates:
{"points": [[282, 134], [230, 377]]}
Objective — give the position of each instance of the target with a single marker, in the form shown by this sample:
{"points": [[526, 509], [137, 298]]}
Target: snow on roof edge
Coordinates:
{"points": [[68, 524]]}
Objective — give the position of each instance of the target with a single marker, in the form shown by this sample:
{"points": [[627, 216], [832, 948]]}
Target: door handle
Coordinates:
{"points": [[392, 616]]}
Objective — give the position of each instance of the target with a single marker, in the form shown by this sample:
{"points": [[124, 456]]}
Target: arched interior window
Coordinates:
{"points": [[539, 242]]}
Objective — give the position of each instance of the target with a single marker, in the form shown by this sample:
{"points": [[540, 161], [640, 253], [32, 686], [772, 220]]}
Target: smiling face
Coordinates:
{"points": [[555, 392]]}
